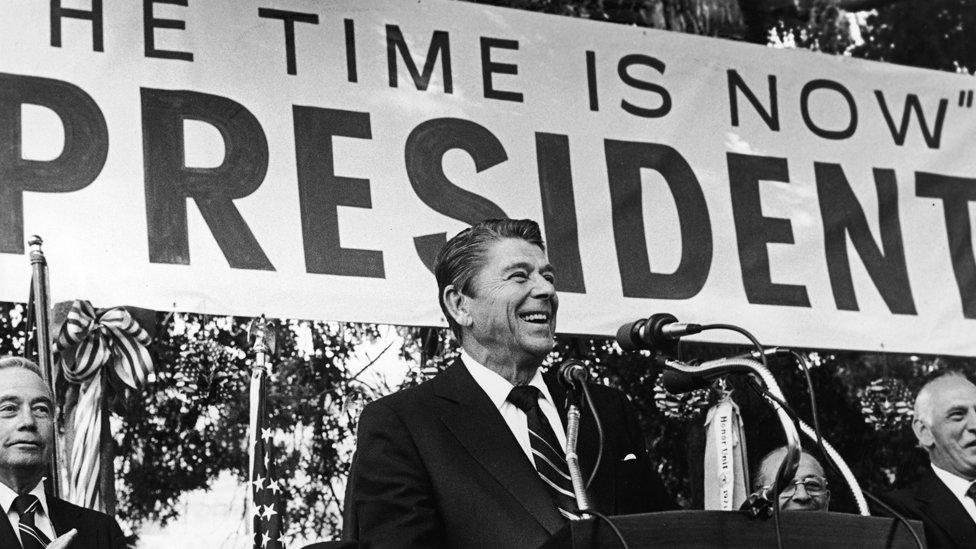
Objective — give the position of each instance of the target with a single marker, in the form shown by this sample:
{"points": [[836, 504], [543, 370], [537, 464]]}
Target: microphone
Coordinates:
{"points": [[658, 332], [676, 382], [570, 372]]}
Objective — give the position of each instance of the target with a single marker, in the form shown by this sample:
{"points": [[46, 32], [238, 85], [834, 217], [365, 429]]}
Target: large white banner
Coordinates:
{"points": [[306, 159]]}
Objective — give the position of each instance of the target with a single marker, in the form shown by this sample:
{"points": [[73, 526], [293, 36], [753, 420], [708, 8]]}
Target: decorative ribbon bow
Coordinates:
{"points": [[90, 341]]}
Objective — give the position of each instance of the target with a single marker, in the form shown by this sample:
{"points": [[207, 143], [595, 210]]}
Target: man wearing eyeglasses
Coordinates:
{"points": [[808, 492]]}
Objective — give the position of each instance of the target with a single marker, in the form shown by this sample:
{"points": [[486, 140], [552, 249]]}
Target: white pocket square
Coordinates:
{"points": [[629, 457]]}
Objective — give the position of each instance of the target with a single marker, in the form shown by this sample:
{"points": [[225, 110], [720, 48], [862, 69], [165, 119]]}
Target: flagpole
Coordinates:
{"points": [[262, 335], [42, 334]]}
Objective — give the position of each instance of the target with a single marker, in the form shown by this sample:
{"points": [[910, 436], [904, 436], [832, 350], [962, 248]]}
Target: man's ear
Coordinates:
{"points": [[923, 433], [456, 304]]}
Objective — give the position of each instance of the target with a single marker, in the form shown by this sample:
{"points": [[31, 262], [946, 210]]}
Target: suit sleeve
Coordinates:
{"points": [[115, 535], [641, 489], [389, 499]]}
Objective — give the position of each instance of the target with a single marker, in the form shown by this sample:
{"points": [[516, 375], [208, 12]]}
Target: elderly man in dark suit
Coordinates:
{"points": [[474, 457], [945, 425], [34, 519]]}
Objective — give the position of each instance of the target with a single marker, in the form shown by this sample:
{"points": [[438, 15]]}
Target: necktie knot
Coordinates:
{"points": [[524, 397], [971, 492], [25, 504]]}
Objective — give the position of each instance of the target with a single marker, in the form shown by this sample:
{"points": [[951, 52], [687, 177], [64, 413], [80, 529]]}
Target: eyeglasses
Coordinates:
{"points": [[813, 484]]}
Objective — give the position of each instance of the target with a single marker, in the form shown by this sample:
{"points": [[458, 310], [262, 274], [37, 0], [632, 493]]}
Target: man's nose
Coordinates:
{"points": [[971, 420], [801, 493], [543, 288], [26, 420]]}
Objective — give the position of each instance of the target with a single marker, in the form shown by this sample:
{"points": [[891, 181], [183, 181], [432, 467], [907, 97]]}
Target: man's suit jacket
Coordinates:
{"points": [[95, 530], [436, 465], [947, 524]]}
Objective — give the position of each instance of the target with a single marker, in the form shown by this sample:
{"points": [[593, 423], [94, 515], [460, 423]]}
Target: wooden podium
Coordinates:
{"points": [[708, 529]]}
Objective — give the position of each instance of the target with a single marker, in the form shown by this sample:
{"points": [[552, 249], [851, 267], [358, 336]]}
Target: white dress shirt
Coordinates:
{"points": [[42, 519], [958, 486], [497, 388]]}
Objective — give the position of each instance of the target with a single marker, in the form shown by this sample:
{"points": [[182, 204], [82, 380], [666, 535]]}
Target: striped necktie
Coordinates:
{"points": [[549, 460], [30, 537]]}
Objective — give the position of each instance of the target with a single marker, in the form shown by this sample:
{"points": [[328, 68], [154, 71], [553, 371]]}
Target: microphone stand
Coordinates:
{"points": [[572, 460], [758, 503]]}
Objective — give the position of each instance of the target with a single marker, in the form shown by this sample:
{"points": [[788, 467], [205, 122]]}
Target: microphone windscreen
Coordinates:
{"points": [[676, 382], [625, 336], [571, 371]]}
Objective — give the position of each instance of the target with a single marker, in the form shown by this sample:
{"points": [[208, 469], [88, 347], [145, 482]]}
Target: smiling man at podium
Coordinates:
{"points": [[475, 456]]}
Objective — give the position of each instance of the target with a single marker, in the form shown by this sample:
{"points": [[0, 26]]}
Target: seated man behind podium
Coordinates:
{"points": [[945, 426], [33, 519], [473, 457], [808, 492]]}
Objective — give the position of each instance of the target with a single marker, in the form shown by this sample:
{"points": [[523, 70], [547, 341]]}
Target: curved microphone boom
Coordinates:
{"points": [[658, 332]]}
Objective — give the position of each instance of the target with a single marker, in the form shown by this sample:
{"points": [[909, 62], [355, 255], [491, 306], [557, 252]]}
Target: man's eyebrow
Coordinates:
{"points": [[44, 399], [956, 408], [547, 268], [518, 265]]}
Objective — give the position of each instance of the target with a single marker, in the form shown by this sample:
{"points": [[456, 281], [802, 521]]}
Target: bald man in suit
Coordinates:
{"points": [[945, 426]]}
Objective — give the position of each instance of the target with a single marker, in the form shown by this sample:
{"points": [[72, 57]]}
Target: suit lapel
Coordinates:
{"points": [[473, 419], [8, 538], [944, 509]]}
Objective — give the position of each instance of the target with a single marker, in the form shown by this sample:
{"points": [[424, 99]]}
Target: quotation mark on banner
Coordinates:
{"points": [[966, 98]]}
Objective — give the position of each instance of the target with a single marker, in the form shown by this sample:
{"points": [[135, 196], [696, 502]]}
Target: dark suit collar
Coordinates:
{"points": [[480, 429], [58, 512], [944, 509], [62, 514], [7, 536]]}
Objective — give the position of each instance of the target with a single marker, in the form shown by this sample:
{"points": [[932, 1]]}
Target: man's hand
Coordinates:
{"points": [[63, 542]]}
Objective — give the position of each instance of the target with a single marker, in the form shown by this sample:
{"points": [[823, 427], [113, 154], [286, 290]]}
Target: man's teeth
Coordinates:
{"points": [[535, 317]]}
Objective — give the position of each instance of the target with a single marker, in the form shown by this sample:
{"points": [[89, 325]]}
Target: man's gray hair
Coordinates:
{"points": [[10, 361], [923, 401]]}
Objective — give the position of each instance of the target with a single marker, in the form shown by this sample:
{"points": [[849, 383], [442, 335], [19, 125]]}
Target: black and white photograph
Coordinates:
{"points": [[380, 274]]}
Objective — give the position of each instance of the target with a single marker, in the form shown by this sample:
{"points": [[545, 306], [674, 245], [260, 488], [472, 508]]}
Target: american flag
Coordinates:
{"points": [[268, 496]]}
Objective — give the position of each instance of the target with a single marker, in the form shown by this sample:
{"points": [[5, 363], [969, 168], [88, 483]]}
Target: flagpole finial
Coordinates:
{"points": [[262, 336], [36, 255]]}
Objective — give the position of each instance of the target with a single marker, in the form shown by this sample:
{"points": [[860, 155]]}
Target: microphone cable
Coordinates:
{"points": [[606, 519], [599, 430]]}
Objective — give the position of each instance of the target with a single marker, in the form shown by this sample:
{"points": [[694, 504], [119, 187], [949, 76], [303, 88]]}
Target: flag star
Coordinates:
{"points": [[258, 482], [268, 512], [262, 540], [266, 433], [274, 486]]}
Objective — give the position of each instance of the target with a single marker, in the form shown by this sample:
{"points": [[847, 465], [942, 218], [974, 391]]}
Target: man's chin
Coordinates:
{"points": [[32, 457]]}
